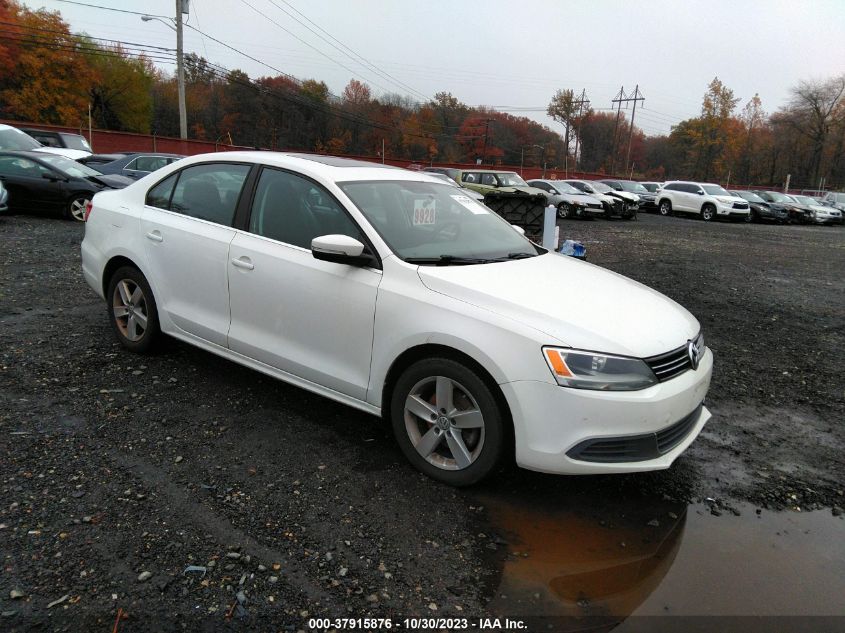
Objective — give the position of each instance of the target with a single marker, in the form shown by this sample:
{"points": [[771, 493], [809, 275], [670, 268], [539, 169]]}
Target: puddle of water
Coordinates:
{"points": [[635, 557]]}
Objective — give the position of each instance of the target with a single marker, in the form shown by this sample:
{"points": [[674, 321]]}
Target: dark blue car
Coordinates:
{"points": [[131, 164]]}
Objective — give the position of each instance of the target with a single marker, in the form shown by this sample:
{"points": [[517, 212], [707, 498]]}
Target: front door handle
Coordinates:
{"points": [[243, 262], [155, 236]]}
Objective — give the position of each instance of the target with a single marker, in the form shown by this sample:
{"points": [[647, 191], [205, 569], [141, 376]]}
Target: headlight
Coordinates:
{"points": [[578, 203], [591, 370]]}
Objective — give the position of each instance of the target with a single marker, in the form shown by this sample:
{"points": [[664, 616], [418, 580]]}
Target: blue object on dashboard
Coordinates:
{"points": [[573, 249]]}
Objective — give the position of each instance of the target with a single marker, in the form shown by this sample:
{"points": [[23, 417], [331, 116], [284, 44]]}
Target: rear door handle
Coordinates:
{"points": [[243, 262], [155, 236]]}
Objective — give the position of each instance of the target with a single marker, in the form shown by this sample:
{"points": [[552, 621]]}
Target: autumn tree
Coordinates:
{"points": [[46, 75]]}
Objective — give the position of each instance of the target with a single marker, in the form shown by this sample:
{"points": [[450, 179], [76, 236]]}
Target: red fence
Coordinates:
{"points": [[107, 141]]}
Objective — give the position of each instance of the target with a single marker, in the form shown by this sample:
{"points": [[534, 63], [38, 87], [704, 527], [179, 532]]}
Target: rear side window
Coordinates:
{"points": [[159, 196], [209, 192]]}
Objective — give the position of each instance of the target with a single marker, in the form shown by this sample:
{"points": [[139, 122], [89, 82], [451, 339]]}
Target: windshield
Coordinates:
{"points": [[74, 141], [747, 195], [430, 220], [804, 199], [779, 197], [69, 167], [14, 139], [510, 180], [564, 187], [601, 187], [633, 187], [715, 190]]}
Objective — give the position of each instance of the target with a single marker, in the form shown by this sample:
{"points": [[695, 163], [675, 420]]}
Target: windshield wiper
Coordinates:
{"points": [[448, 260], [520, 255]]}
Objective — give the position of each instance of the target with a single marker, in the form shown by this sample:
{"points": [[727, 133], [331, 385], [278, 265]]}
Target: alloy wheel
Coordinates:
{"points": [[129, 306], [77, 208], [444, 423], [563, 210]]}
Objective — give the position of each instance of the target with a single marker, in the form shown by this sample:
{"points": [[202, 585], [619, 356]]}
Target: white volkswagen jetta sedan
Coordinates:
{"points": [[394, 293]]}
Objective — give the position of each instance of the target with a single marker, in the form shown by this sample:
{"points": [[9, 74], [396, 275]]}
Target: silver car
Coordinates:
{"points": [[570, 202]]}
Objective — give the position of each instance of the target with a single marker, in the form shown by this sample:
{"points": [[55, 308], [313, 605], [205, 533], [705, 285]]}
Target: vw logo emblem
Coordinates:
{"points": [[694, 354]]}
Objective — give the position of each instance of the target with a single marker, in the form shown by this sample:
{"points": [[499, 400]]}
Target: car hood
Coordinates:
{"points": [[73, 154], [573, 302], [624, 195], [574, 197], [113, 181], [821, 207]]}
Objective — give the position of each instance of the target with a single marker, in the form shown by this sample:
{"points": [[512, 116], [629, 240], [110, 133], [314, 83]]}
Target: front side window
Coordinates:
{"points": [[294, 210], [21, 167], [488, 179], [209, 192], [430, 221]]}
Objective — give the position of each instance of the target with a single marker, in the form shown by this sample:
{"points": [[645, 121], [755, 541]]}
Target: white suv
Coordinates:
{"points": [[708, 200]]}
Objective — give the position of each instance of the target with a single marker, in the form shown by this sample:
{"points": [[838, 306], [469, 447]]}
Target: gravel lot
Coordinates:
{"points": [[117, 472]]}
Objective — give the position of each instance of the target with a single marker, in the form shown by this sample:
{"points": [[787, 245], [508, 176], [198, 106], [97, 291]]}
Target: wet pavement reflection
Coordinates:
{"points": [[585, 558]]}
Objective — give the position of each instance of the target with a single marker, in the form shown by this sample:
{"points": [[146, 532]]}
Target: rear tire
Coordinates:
{"points": [[132, 310], [447, 421], [75, 209]]}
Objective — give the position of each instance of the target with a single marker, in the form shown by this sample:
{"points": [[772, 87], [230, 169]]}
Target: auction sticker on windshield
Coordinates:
{"points": [[424, 211], [472, 205]]}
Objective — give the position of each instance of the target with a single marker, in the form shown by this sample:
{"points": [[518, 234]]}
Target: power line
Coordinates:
{"points": [[299, 39], [97, 6], [351, 54]]}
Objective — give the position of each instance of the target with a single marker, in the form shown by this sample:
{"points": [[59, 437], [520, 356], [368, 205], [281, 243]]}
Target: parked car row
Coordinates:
{"points": [[49, 171]]}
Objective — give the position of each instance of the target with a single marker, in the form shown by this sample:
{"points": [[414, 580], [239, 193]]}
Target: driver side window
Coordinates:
{"points": [[294, 210]]}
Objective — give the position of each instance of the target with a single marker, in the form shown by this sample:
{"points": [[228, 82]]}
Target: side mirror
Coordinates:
{"points": [[518, 229], [52, 177], [700, 192], [340, 249]]}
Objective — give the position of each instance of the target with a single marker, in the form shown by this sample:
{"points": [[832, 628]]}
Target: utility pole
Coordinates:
{"points": [[637, 97], [180, 70], [619, 98], [583, 101], [486, 131]]}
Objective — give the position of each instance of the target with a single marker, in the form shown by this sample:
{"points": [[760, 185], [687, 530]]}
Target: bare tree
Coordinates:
{"points": [[813, 110]]}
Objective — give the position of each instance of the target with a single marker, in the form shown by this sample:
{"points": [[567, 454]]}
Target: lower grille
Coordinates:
{"points": [[635, 448]]}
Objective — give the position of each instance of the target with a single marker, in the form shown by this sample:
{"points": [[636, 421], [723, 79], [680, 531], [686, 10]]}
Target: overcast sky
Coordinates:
{"points": [[510, 54]]}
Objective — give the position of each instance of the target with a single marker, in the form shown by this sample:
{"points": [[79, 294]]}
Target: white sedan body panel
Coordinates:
{"points": [[188, 258], [307, 317], [336, 329]]}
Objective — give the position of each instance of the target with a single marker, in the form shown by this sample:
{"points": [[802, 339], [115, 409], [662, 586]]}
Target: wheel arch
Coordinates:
{"points": [[115, 262], [435, 350]]}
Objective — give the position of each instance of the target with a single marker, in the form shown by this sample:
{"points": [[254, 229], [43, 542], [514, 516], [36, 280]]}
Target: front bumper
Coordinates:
{"points": [[827, 218], [728, 211], [551, 421]]}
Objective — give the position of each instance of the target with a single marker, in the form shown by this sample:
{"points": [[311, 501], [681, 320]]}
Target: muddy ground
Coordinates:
{"points": [[118, 472]]}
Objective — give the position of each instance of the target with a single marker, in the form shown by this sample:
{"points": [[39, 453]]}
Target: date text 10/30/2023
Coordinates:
{"points": [[416, 624]]}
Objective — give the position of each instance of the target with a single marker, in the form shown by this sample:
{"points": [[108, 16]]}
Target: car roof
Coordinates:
{"points": [[332, 168]]}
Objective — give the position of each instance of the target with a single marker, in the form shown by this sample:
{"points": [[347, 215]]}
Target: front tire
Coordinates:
{"points": [[665, 208], [132, 310], [564, 210], [76, 207], [447, 421], [708, 212]]}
